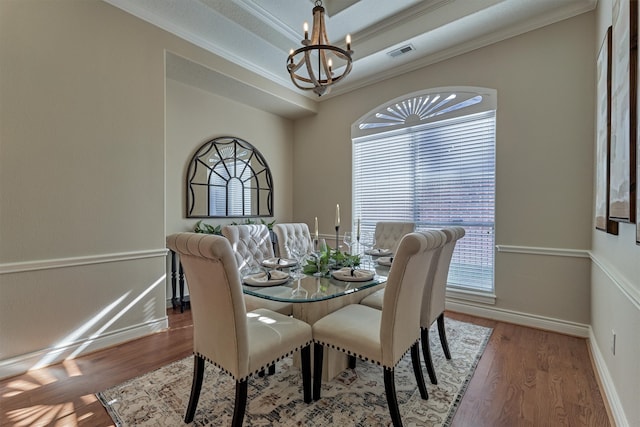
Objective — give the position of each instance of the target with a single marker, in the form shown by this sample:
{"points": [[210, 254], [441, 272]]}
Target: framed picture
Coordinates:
{"points": [[603, 141], [622, 175]]}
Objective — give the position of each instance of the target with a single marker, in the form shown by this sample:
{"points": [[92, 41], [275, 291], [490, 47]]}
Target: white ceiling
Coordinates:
{"points": [[258, 34]]}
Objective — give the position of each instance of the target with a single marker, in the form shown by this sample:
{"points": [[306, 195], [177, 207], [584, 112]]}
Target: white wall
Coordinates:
{"points": [[615, 297]]}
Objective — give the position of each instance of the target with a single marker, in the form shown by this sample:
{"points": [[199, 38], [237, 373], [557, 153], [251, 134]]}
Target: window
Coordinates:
{"points": [[430, 158]]}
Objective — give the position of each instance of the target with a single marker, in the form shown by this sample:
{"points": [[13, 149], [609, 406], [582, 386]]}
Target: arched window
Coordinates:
{"points": [[429, 157], [228, 177]]}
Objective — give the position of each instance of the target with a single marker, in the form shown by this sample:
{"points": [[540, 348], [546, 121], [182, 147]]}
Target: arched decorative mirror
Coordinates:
{"points": [[228, 177]]}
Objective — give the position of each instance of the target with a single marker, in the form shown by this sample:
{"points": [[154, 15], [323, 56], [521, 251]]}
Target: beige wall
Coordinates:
{"points": [[84, 165], [82, 173], [615, 296], [195, 116], [544, 82]]}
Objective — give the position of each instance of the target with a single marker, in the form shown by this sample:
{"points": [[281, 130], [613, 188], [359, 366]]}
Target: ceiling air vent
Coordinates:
{"points": [[401, 50]]}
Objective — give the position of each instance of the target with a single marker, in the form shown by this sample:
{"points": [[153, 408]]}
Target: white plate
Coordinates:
{"points": [[345, 275], [378, 252], [261, 279], [385, 260], [279, 262]]}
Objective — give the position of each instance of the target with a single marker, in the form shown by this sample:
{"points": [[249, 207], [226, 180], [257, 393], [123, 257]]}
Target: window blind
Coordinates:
{"points": [[437, 174]]}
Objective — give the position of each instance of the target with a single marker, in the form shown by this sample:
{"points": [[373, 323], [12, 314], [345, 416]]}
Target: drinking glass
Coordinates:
{"points": [[368, 241], [300, 256], [320, 250], [349, 240]]}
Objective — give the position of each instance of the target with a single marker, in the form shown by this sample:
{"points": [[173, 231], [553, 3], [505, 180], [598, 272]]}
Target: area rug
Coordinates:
{"points": [[356, 397]]}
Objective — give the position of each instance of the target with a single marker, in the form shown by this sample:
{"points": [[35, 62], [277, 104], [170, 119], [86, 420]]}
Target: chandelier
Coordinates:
{"points": [[312, 66]]}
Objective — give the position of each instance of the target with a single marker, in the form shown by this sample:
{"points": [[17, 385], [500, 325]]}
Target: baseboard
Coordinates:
{"points": [[606, 383], [519, 318], [49, 356]]}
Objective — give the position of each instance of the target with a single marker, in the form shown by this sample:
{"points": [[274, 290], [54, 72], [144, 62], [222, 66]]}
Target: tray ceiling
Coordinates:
{"points": [[258, 34]]}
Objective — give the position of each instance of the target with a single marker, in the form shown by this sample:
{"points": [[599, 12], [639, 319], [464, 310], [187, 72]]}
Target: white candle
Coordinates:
{"points": [[358, 230], [337, 216], [316, 234]]}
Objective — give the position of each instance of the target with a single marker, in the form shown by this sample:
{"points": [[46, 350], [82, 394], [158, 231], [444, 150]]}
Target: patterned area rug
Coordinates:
{"points": [[354, 398]]}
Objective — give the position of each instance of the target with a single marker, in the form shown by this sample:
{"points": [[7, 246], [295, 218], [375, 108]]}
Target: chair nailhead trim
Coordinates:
{"points": [[262, 368], [361, 357]]}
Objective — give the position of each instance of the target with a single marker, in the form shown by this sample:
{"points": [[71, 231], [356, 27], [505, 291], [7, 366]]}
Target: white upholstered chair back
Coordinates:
{"points": [[389, 234], [400, 324], [239, 343], [434, 302], [251, 243], [216, 299], [292, 236]]}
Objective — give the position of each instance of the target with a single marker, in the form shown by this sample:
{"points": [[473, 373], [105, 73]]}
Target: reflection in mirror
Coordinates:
{"points": [[228, 177]]}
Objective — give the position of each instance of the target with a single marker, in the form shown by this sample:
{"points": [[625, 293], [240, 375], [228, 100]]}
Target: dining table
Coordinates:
{"points": [[313, 297]]}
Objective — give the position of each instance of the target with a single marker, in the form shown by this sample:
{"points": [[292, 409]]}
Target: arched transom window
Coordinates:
{"points": [[429, 157]]}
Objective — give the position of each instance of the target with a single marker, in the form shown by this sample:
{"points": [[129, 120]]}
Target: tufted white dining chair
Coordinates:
{"points": [[433, 299], [384, 336], [389, 234], [293, 236], [251, 244], [238, 342]]}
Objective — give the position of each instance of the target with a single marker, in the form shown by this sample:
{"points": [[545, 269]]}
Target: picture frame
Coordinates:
{"points": [[603, 137], [622, 182]]}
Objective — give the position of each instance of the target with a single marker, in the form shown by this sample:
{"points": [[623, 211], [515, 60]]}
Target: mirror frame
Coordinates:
{"points": [[254, 177]]}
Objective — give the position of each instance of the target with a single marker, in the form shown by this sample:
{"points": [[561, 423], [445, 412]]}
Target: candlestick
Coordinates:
{"points": [[316, 233], [337, 233], [358, 230], [337, 215]]}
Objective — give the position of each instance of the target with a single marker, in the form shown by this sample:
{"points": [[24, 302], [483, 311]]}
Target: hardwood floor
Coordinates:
{"points": [[526, 377]]}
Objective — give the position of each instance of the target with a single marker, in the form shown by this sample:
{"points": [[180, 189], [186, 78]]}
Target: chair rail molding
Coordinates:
{"points": [[534, 250], [48, 264], [621, 282]]}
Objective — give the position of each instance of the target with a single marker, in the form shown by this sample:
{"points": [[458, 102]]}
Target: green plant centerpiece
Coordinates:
{"points": [[333, 258], [204, 228]]}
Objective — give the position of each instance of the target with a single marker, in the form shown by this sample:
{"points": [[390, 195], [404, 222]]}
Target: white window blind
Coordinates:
{"points": [[436, 174]]}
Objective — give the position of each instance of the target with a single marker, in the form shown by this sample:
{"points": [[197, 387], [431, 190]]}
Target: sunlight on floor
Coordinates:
{"points": [[40, 415]]}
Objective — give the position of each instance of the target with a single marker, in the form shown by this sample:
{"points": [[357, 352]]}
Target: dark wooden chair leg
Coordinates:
{"points": [[392, 401], [426, 354], [241, 403], [196, 385], [317, 370], [417, 370], [352, 362], [272, 369], [443, 336], [305, 355]]}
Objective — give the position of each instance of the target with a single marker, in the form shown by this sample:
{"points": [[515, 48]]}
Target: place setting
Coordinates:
{"points": [[277, 262], [351, 274], [385, 261], [261, 275]]}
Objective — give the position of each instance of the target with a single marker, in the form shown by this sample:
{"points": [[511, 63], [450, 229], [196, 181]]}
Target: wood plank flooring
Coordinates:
{"points": [[526, 377]]}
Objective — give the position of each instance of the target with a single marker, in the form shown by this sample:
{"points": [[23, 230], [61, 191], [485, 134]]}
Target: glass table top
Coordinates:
{"points": [[311, 288]]}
